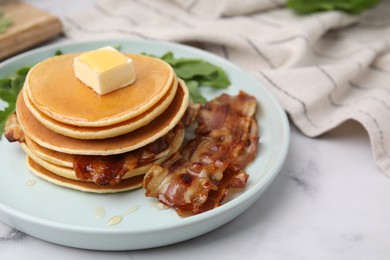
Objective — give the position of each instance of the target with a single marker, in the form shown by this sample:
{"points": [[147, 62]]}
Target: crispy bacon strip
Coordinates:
{"points": [[109, 169], [190, 114], [200, 177], [12, 130]]}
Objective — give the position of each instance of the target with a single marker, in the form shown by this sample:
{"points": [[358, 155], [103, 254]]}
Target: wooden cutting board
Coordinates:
{"points": [[30, 26]]}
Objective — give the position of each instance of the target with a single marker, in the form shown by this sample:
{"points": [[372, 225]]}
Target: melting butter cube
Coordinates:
{"points": [[104, 70]]}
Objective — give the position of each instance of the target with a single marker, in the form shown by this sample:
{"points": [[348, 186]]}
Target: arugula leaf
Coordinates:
{"points": [[196, 97], [350, 6], [118, 47], [4, 114], [197, 73], [5, 83], [9, 90], [188, 70]]}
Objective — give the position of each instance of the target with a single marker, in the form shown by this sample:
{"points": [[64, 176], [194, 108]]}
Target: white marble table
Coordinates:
{"points": [[330, 201]]}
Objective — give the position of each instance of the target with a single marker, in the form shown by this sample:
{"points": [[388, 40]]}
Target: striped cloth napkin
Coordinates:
{"points": [[324, 68]]}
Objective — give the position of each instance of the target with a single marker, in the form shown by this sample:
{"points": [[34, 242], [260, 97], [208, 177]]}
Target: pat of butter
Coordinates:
{"points": [[104, 70]]}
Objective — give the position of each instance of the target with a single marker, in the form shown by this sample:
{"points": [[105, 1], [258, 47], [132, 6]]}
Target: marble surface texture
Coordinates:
{"points": [[329, 201]]}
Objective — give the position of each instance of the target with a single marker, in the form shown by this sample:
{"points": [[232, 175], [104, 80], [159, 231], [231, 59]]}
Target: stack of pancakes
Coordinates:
{"points": [[62, 120]]}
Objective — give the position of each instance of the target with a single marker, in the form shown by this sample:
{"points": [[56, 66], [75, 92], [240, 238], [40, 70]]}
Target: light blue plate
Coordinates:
{"points": [[77, 219]]}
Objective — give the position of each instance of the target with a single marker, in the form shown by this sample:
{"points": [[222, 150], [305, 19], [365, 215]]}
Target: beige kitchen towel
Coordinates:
{"points": [[324, 68]]}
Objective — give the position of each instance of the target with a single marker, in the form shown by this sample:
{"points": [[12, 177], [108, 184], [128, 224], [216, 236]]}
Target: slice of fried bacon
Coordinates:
{"points": [[109, 169], [12, 130], [199, 177]]}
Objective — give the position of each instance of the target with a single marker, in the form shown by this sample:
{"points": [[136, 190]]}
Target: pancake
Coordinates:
{"points": [[56, 92], [158, 127], [125, 185], [54, 157], [105, 131], [62, 164], [110, 140]]}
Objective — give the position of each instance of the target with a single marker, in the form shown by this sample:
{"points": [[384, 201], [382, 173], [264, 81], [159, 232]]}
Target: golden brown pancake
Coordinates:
{"points": [[104, 131], [54, 157], [125, 185], [56, 92], [62, 119], [120, 144]]}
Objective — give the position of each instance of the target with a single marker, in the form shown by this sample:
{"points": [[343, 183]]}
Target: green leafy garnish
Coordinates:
{"points": [[9, 90], [4, 22], [197, 73], [350, 6], [58, 52], [193, 89], [118, 47]]}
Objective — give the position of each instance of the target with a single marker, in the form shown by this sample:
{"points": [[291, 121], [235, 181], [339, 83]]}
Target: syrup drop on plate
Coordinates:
{"points": [[118, 218], [159, 206], [114, 220], [99, 212], [132, 209], [30, 183]]}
